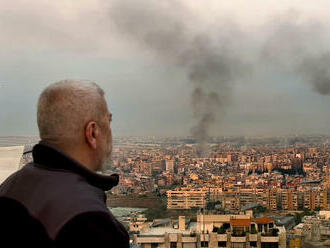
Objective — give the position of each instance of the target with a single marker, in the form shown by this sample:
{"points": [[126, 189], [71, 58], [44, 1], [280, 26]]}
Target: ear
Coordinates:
{"points": [[91, 134]]}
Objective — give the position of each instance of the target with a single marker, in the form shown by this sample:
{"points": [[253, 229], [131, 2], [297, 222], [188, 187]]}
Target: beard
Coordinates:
{"points": [[106, 162]]}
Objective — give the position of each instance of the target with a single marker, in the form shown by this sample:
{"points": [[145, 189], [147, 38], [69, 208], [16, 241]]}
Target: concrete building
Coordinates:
{"points": [[170, 165], [186, 199], [230, 201], [214, 231], [272, 199], [314, 231], [138, 224]]}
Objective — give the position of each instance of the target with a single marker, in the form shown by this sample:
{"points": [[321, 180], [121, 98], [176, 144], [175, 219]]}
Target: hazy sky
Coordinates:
{"points": [[282, 46]]}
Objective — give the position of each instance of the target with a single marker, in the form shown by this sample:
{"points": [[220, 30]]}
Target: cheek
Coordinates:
{"points": [[109, 140], [110, 136]]}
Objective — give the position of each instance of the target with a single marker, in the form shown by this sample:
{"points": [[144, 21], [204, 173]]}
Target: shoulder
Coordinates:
{"points": [[56, 196], [72, 196], [51, 188], [95, 229]]}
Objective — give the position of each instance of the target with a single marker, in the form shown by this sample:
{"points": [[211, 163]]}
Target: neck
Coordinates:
{"points": [[83, 157], [78, 152]]}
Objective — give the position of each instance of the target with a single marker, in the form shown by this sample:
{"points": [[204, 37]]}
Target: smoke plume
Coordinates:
{"points": [[300, 47], [208, 58], [317, 71], [215, 58]]}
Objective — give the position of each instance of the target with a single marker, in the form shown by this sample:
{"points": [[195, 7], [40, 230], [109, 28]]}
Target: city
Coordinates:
{"points": [[165, 124], [277, 188]]}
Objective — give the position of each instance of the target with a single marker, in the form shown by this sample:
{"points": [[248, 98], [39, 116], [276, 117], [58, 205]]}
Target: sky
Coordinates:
{"points": [[266, 62]]}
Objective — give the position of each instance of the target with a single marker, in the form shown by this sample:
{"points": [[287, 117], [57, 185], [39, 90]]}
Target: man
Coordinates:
{"points": [[58, 199]]}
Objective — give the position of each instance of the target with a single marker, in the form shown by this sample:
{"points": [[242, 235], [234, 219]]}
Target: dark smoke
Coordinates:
{"points": [[317, 71], [215, 58], [300, 47], [205, 107], [167, 28]]}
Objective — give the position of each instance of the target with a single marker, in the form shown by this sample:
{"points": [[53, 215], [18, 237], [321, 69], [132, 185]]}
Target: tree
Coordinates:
{"points": [[210, 205], [221, 230], [259, 209], [253, 229]]}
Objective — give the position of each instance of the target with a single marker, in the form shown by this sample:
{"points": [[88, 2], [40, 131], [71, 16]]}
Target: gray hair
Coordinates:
{"points": [[65, 107]]}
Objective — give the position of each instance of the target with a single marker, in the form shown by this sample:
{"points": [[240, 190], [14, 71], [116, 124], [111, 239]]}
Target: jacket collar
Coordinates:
{"points": [[52, 158]]}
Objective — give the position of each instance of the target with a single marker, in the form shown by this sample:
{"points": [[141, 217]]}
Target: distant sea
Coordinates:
{"points": [[18, 140]]}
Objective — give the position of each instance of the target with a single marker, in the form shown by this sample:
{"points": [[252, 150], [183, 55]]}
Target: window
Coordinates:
{"points": [[253, 243], [189, 245], [269, 245], [154, 245], [204, 244], [238, 245], [173, 245], [222, 244]]}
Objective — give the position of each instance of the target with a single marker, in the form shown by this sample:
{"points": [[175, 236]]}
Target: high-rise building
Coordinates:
{"points": [[170, 165]]}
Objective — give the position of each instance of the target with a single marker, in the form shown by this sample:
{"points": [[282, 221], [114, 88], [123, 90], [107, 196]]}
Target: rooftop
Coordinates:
{"points": [[240, 222], [263, 220], [161, 230]]}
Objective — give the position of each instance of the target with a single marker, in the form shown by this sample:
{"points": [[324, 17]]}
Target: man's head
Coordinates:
{"points": [[74, 117]]}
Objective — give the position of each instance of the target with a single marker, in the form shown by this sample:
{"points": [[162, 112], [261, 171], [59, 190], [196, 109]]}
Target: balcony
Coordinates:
{"points": [[188, 239], [149, 239], [253, 237], [325, 230], [222, 237], [238, 239], [270, 239], [173, 237], [204, 237], [238, 234], [273, 232]]}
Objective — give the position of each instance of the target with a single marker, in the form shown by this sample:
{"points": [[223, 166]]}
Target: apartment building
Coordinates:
{"points": [[177, 199], [214, 231], [273, 199], [289, 200]]}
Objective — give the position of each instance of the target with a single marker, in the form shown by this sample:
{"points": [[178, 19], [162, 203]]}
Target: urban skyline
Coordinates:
{"points": [[245, 192], [220, 112]]}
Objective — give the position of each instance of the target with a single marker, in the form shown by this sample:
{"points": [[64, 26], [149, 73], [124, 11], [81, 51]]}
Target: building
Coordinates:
{"points": [[272, 199], [137, 224], [289, 200], [170, 165], [314, 231], [177, 199], [214, 231]]}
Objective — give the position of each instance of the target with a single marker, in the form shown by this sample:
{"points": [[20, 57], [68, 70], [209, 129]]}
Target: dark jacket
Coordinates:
{"points": [[62, 203]]}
